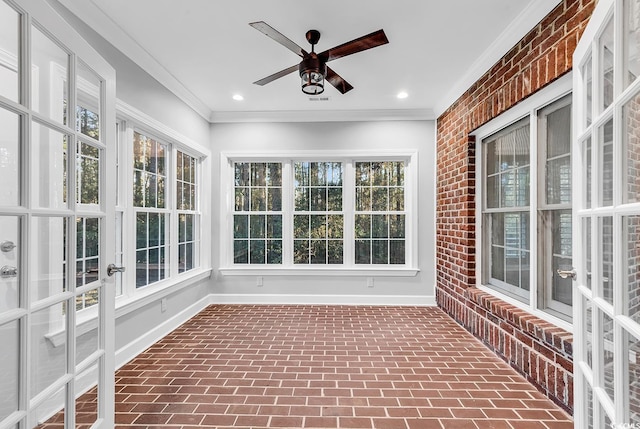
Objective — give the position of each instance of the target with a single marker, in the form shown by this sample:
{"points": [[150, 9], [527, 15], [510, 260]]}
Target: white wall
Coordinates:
{"points": [[402, 135]]}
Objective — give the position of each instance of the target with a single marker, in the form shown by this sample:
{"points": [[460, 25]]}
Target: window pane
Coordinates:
{"points": [[240, 251], [631, 259], [606, 57], [363, 252], [587, 72], [9, 45], [631, 139], [242, 174], [559, 180], [633, 376], [606, 163], [151, 247], [606, 249], [301, 251], [632, 55], [274, 252], [507, 157], [9, 151], [334, 252], [149, 172], [561, 289], [50, 71], [608, 354]]}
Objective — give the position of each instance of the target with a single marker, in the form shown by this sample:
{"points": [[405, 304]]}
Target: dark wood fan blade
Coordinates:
{"points": [[363, 43], [337, 81], [277, 75], [265, 28]]}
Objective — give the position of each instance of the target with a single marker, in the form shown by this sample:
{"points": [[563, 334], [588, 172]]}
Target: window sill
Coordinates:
{"points": [[88, 319], [480, 298], [367, 271]]}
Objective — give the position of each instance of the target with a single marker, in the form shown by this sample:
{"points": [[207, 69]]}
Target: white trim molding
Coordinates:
{"points": [[324, 116]]}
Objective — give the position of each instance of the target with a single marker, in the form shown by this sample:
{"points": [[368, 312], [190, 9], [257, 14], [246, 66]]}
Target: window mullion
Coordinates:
{"points": [[349, 208], [287, 213], [537, 172]]}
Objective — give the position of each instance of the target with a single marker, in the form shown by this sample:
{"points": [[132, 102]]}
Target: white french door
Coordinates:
{"points": [[57, 148], [607, 218]]}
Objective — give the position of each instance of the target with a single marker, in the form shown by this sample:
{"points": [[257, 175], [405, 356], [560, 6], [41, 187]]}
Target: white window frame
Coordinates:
{"points": [[528, 108], [130, 120], [348, 268]]}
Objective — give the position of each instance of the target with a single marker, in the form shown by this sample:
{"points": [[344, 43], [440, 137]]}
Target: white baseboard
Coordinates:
{"points": [[133, 349], [421, 300]]}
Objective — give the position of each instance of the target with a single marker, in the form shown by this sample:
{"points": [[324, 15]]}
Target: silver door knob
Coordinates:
{"points": [[8, 271], [565, 274], [112, 269], [7, 246]]}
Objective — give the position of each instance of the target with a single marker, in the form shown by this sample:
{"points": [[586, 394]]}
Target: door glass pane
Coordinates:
{"points": [[9, 157], [9, 356], [49, 184], [586, 240], [587, 72], [608, 354], [50, 77], [49, 415], [631, 231], [606, 249], [87, 259], [88, 174], [631, 141], [633, 371], [606, 163], [588, 329], [606, 60], [9, 61], [587, 172], [87, 403], [48, 257], [48, 360], [632, 52], [10, 257], [88, 105], [589, 404]]}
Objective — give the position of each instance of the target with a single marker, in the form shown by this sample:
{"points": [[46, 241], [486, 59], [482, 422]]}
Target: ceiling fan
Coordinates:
{"points": [[313, 68]]}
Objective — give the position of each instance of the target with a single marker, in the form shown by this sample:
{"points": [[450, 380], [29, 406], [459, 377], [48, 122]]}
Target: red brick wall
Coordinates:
{"points": [[537, 349]]}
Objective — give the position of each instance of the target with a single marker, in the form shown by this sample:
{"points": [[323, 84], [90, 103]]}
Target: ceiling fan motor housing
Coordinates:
{"points": [[312, 73]]}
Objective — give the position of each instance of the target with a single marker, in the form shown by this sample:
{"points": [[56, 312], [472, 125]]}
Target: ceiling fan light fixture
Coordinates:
{"points": [[312, 74]]}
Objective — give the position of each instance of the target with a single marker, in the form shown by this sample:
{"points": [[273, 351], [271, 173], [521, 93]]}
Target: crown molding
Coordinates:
{"points": [[323, 116], [101, 23], [515, 31]]}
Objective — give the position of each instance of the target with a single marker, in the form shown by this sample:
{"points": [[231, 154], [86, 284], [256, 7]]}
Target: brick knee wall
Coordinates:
{"points": [[537, 349]]}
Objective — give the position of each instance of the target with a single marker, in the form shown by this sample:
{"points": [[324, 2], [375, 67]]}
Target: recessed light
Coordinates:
{"points": [[238, 97], [402, 95]]}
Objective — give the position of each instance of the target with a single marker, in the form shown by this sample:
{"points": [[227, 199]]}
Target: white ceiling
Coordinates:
{"points": [[205, 51]]}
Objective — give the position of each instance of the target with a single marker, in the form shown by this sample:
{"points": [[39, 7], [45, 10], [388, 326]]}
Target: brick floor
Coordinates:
{"points": [[276, 366]]}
